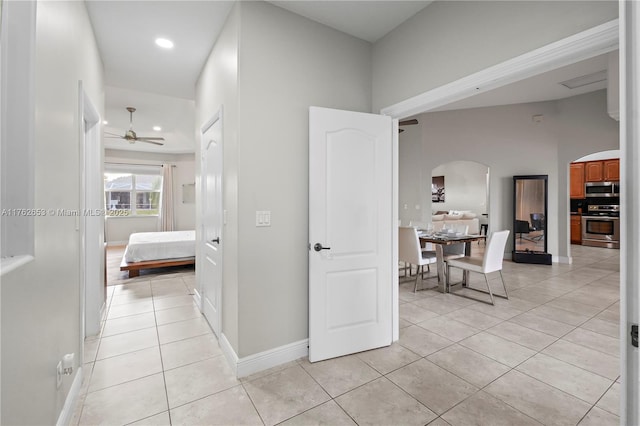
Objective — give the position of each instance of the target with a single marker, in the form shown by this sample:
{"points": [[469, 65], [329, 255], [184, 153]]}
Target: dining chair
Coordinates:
{"points": [[423, 226], [491, 262], [410, 252]]}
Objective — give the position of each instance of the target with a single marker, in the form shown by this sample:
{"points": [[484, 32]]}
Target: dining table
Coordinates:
{"points": [[440, 241]]}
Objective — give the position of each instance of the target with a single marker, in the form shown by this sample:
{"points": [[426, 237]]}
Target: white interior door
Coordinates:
{"points": [[350, 232], [211, 244]]}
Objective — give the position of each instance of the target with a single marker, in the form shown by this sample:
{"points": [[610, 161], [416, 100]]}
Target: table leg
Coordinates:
{"points": [[442, 285], [465, 273]]}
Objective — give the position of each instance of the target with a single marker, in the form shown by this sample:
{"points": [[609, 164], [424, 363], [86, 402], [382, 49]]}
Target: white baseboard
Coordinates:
{"points": [[261, 361], [117, 243], [272, 358], [72, 398], [562, 259], [229, 353]]}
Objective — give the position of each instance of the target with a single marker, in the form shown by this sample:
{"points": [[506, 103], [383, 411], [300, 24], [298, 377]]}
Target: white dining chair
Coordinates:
{"points": [[410, 252], [491, 262]]}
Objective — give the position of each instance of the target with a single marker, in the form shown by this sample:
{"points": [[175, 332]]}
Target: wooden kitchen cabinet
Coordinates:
{"points": [[576, 229], [602, 171], [611, 170], [593, 171], [576, 180]]}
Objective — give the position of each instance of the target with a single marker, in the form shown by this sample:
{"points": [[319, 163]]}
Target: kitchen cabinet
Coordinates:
{"points": [[602, 171], [593, 171], [576, 229], [611, 170], [576, 180]]}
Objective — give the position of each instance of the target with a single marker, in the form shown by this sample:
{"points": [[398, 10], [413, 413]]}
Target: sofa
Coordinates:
{"points": [[456, 219]]}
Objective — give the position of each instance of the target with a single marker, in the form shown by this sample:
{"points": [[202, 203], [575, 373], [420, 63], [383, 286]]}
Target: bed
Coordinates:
{"points": [[158, 250]]}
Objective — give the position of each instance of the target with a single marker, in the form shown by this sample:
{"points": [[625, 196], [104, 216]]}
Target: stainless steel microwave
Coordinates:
{"points": [[602, 189]]}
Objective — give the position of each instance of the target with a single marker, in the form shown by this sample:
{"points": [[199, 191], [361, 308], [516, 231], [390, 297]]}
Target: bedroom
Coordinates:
{"points": [[149, 213]]}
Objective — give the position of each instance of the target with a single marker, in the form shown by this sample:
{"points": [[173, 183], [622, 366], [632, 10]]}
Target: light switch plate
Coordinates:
{"points": [[263, 218]]}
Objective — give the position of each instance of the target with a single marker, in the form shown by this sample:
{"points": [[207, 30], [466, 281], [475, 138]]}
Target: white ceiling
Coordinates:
{"points": [[174, 115], [161, 83], [367, 20], [126, 33]]}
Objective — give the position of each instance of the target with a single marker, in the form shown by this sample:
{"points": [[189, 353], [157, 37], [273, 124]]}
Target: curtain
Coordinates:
{"points": [[166, 212]]}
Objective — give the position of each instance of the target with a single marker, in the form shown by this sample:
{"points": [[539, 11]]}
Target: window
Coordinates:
{"points": [[132, 194]]}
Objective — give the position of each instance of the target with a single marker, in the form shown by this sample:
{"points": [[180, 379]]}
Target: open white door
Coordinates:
{"points": [[211, 246], [350, 232]]}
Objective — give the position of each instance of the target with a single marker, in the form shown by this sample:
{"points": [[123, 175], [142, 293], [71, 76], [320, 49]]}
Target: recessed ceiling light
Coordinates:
{"points": [[105, 122], [584, 80], [157, 128], [164, 43]]}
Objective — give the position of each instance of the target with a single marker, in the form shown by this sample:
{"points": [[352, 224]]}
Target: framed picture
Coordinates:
{"points": [[437, 189]]}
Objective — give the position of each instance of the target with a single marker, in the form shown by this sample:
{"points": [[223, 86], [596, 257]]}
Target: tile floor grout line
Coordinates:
{"points": [[253, 404], [563, 391], [164, 378], [602, 396]]}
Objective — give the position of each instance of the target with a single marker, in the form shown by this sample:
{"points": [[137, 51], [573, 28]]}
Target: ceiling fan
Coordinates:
{"points": [[407, 123], [131, 136]]}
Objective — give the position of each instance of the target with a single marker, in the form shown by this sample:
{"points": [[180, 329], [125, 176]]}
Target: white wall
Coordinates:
{"points": [[41, 300], [411, 175], [509, 142], [118, 229], [448, 40], [288, 64], [465, 181]]}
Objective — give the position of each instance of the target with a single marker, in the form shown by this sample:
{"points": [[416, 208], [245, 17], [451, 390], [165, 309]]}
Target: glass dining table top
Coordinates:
{"points": [[449, 238]]}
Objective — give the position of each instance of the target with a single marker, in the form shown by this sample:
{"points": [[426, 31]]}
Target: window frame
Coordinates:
{"points": [[134, 171]]}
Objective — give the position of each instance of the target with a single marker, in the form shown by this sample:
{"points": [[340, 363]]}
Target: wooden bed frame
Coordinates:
{"points": [[135, 267]]}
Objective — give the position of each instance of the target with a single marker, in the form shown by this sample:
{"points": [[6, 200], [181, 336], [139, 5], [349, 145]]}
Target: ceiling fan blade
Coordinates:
{"points": [[112, 134], [408, 122], [148, 141], [114, 137]]}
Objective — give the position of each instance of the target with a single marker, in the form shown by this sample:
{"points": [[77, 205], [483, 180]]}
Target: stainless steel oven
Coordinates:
{"points": [[601, 226], [602, 189]]}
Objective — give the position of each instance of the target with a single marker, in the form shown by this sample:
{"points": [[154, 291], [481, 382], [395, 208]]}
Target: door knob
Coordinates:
{"points": [[318, 247], [216, 240]]}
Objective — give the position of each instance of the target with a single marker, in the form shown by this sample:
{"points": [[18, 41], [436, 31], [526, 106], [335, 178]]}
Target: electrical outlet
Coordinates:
{"points": [[59, 375]]}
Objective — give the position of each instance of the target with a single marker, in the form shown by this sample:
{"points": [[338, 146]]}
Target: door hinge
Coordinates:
{"points": [[634, 335]]}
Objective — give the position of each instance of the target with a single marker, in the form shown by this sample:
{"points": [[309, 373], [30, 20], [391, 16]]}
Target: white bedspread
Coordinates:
{"points": [[160, 245]]}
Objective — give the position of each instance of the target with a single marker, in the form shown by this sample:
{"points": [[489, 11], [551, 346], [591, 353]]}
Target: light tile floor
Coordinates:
{"points": [[548, 355]]}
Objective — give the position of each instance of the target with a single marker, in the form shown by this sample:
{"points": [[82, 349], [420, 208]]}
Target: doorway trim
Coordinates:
{"points": [[629, 203], [91, 234]]}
